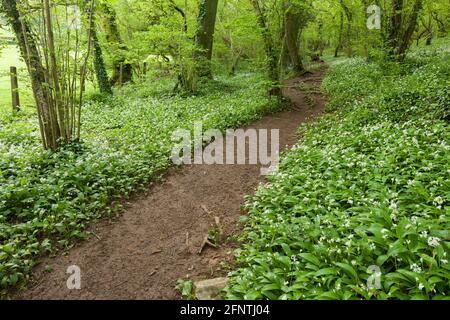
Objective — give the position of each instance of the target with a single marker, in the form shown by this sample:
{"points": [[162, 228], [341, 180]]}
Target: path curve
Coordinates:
{"points": [[142, 253]]}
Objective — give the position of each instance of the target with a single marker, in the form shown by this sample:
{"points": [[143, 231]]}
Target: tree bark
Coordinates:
{"points": [[292, 29], [348, 35], [395, 27], [54, 72], [99, 63], [272, 65], [55, 103], [401, 29], [204, 37], [341, 30], [115, 40], [47, 121], [405, 40]]}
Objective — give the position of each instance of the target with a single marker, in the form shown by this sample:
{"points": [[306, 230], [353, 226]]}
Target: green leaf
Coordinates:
{"points": [[348, 269], [310, 258], [325, 272], [286, 249]]}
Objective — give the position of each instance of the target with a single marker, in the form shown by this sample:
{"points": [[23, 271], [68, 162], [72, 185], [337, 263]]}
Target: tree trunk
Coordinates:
{"points": [[405, 40], [47, 120], [341, 30], [285, 58], [204, 37], [395, 27], [99, 63], [441, 24], [272, 65], [115, 40], [348, 35], [54, 73], [292, 28], [57, 106]]}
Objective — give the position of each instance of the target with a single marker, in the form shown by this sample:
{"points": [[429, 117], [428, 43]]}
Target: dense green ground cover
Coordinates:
{"points": [[46, 198], [367, 189]]}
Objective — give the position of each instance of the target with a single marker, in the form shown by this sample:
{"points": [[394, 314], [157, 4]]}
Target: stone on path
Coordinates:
{"points": [[210, 289]]}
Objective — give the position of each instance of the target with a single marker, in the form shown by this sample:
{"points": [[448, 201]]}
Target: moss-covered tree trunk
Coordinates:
{"points": [[122, 70], [401, 29], [292, 25], [204, 36], [341, 30], [410, 27], [348, 32], [271, 57], [395, 26], [99, 63]]}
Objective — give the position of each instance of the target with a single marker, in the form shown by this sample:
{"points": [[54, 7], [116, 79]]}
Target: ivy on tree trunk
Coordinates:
{"points": [[271, 57], [47, 119], [292, 24]]}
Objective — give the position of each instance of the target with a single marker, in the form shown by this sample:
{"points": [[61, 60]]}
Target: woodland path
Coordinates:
{"points": [[142, 253]]}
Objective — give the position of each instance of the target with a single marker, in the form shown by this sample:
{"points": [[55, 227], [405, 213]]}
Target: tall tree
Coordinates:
{"points": [[30, 53], [53, 79], [410, 27], [269, 47], [340, 32], [122, 69], [99, 63], [401, 28], [348, 34], [204, 36], [292, 25]]}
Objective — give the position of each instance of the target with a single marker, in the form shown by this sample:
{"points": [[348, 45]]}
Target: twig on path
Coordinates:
{"points": [[119, 284], [95, 235], [309, 91], [188, 247], [206, 210], [205, 243]]}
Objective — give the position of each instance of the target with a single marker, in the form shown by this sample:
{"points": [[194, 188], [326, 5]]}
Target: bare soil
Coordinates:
{"points": [[155, 242]]}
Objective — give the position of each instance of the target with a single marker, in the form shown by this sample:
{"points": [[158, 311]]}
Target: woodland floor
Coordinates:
{"points": [[142, 253]]}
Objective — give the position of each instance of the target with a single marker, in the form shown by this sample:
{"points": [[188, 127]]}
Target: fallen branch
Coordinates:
{"points": [[206, 210], [205, 243], [95, 235]]}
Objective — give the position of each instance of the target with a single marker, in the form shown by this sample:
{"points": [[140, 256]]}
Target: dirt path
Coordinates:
{"points": [[141, 254]]}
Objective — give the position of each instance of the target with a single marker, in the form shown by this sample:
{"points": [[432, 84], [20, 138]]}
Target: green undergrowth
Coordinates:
{"points": [[359, 209], [47, 198]]}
